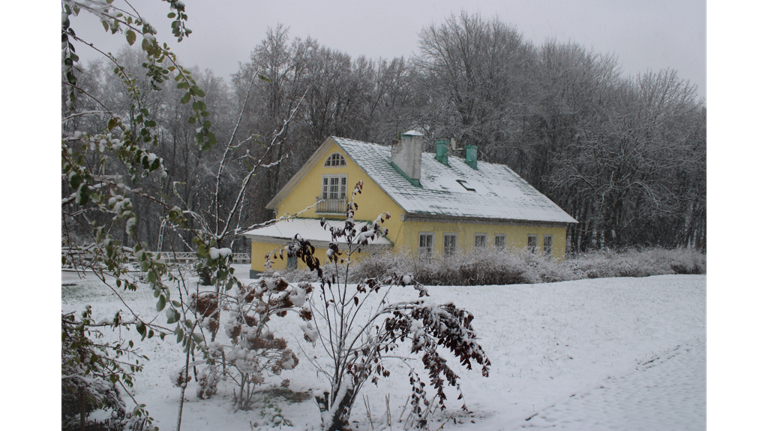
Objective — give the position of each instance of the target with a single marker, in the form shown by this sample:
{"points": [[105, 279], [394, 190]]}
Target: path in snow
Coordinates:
{"points": [[666, 393]]}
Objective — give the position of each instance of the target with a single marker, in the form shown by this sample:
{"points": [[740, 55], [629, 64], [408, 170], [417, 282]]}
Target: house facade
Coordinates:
{"points": [[439, 203]]}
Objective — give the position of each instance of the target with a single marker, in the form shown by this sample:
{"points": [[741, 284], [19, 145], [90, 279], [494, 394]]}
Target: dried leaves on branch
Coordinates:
{"points": [[361, 330]]}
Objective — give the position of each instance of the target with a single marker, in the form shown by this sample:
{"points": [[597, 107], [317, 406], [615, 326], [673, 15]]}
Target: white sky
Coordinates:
{"points": [[648, 34]]}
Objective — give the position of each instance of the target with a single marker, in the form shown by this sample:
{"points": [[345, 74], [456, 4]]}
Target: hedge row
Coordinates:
{"points": [[512, 267]]}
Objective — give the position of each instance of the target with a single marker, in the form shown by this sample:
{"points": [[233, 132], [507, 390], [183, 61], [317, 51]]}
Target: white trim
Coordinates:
{"points": [[535, 249], [329, 176], [455, 237], [551, 244], [431, 246], [291, 184], [485, 239], [478, 220], [342, 161], [500, 235]]}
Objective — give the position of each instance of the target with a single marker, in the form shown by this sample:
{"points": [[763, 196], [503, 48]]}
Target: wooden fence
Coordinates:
{"points": [[178, 257]]}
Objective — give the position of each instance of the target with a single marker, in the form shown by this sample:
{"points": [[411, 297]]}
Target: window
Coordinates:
{"points": [[547, 245], [292, 262], [533, 241], [479, 240], [449, 244], [426, 241], [292, 259], [335, 159], [500, 241], [465, 184], [334, 187]]}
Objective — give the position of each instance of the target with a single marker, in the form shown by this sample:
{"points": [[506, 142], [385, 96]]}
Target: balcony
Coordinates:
{"points": [[331, 206]]}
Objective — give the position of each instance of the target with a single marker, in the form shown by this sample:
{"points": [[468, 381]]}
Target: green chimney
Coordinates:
{"points": [[442, 152], [472, 156]]}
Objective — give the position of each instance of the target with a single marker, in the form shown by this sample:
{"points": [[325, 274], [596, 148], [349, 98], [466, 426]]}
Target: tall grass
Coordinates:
{"points": [[517, 267]]}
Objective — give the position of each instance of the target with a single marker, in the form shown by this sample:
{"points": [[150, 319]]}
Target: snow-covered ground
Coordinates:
{"points": [[621, 353]]}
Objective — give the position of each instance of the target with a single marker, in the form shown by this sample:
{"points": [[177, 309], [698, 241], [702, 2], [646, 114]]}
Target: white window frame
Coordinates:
{"points": [[426, 251], [484, 242], [548, 248], [325, 192], [535, 248], [292, 262], [503, 238], [332, 162], [455, 237]]}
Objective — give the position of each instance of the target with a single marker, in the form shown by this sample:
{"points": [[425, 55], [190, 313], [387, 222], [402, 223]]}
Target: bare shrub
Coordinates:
{"points": [[360, 329]]}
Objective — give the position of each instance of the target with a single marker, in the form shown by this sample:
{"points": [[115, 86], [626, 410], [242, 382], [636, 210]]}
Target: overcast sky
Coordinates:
{"points": [[644, 35]]}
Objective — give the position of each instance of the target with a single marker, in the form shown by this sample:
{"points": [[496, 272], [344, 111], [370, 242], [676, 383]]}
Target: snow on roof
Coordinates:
{"points": [[412, 133], [308, 229], [499, 193]]}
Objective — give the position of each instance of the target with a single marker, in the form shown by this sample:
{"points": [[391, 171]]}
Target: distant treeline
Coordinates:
{"points": [[625, 156]]}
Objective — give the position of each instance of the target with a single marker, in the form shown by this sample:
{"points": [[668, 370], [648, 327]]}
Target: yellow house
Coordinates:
{"points": [[439, 203]]}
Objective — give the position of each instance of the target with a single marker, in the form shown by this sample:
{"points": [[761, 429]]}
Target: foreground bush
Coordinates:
{"points": [[361, 331], [490, 266]]}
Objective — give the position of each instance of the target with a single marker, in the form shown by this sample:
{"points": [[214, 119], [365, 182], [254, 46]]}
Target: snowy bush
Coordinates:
{"points": [[252, 350], [687, 261], [636, 263], [489, 266], [478, 267], [90, 375]]}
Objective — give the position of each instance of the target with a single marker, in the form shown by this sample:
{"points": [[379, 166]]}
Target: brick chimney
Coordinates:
{"points": [[406, 156]]}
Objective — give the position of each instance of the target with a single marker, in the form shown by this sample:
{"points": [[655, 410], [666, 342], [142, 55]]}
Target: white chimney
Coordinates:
{"points": [[406, 155]]}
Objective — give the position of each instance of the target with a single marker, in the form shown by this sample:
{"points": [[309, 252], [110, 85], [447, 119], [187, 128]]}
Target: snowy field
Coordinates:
{"points": [[601, 354]]}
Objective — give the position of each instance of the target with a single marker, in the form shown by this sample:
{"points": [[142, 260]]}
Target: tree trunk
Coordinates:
{"points": [[82, 389], [339, 418], [183, 388]]}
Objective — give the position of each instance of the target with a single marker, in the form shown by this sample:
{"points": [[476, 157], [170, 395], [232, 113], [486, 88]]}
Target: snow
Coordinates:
{"points": [[596, 354], [309, 331], [308, 229], [662, 388], [412, 133], [216, 253], [499, 192]]}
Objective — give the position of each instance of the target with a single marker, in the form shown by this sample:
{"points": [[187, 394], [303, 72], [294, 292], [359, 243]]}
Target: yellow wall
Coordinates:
{"points": [[260, 249], [371, 202], [408, 240], [517, 236]]}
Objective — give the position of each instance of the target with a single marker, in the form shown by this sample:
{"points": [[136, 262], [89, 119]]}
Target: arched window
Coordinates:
{"points": [[335, 159]]}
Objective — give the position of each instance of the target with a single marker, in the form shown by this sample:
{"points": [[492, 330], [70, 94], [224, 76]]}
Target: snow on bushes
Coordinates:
{"points": [[253, 350], [489, 266]]}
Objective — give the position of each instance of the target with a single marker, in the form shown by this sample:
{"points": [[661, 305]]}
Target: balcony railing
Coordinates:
{"points": [[338, 206]]}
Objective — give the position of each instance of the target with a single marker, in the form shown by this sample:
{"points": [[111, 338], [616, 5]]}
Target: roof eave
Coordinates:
{"points": [[298, 176], [284, 241], [411, 216]]}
